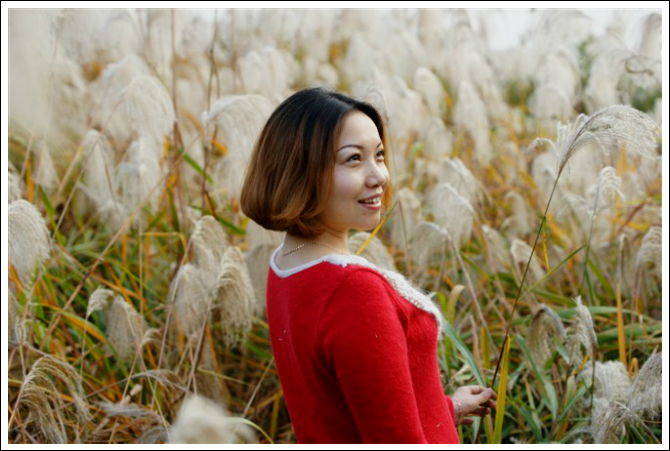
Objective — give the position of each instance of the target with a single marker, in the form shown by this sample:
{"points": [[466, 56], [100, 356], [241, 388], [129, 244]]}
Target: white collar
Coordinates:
{"points": [[415, 295]]}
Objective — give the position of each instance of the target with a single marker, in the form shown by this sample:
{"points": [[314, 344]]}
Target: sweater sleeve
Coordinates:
{"points": [[364, 342]]}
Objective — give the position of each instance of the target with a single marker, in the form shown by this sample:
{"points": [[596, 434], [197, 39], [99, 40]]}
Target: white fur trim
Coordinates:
{"points": [[403, 287]]}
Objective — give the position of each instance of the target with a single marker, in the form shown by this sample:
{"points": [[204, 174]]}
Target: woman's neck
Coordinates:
{"points": [[327, 244]]}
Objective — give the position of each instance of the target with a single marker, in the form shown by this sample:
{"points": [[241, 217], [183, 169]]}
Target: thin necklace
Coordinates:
{"points": [[311, 242]]}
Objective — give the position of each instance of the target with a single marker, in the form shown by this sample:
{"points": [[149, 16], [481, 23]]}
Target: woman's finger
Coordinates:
{"points": [[481, 411]]}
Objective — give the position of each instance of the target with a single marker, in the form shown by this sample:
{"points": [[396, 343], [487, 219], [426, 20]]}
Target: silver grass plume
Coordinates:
{"points": [[609, 426], [190, 292], [99, 182], [545, 325], [611, 384], [618, 125], [238, 119], [646, 395], [610, 398], [151, 425], [496, 247], [522, 219], [404, 217], [137, 177], [470, 115], [100, 299], [149, 109], [258, 260], [126, 329], [268, 72], [200, 420], [651, 248], [234, 297], [45, 173], [581, 333], [432, 92], [452, 211], [257, 235], [608, 188], [40, 394], [29, 242], [618, 403], [172, 385], [428, 239], [436, 139], [604, 191], [15, 186], [375, 251], [373, 94], [460, 177], [208, 243], [521, 253]]}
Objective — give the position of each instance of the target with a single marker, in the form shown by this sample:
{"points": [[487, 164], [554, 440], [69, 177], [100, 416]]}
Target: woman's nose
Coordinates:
{"points": [[377, 175]]}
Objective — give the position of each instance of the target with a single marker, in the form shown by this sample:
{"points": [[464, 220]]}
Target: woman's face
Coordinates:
{"points": [[360, 172]]}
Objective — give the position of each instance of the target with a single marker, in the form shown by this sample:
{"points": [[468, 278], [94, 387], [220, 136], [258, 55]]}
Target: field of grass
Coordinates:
{"points": [[137, 282]]}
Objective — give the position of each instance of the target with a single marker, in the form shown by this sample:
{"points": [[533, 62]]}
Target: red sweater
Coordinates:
{"points": [[357, 361]]}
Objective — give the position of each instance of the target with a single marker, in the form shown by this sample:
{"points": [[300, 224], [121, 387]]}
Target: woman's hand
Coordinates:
{"points": [[474, 400]]}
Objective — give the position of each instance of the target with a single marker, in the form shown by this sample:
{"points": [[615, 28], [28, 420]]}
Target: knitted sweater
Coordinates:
{"points": [[357, 361]]}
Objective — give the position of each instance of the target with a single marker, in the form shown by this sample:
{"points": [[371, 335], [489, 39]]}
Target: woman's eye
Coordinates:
{"points": [[382, 152]]}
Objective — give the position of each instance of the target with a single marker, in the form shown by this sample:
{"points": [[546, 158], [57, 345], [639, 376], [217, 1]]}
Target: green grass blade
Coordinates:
{"points": [[502, 393]]}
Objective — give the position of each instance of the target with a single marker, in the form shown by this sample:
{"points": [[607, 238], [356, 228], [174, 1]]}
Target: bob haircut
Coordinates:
{"points": [[290, 172]]}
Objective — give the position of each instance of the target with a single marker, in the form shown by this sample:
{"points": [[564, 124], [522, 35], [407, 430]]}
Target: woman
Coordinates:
{"points": [[355, 345]]}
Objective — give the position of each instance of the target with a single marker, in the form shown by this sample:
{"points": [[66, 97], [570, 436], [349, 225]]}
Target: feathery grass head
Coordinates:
{"points": [[609, 425], [496, 247], [149, 423], [608, 187], [452, 211], [125, 328], [521, 221], [471, 116], [15, 186], [430, 87], [651, 248], [29, 242], [149, 109], [646, 394], [610, 399], [234, 297], [545, 325], [99, 183], [189, 293], [611, 381], [44, 400], [375, 251], [581, 333], [99, 300], [404, 217], [427, 240], [521, 253], [201, 420], [463, 181], [239, 119], [258, 260], [208, 243], [618, 125]]}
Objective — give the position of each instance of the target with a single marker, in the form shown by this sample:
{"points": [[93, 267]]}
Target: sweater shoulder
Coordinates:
{"points": [[360, 290]]}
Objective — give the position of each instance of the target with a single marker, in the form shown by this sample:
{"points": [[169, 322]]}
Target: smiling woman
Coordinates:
{"points": [[355, 345], [315, 159]]}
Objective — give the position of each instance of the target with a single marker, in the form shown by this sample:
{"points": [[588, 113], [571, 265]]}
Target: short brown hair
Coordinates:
{"points": [[289, 177]]}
